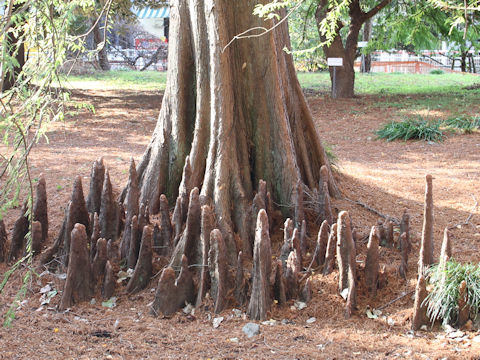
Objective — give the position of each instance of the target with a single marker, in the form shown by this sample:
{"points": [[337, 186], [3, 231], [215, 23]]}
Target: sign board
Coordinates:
{"points": [[362, 44], [334, 61]]}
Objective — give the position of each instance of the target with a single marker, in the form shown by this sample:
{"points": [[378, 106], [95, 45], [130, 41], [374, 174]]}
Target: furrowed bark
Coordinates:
{"points": [[233, 134], [207, 225]]}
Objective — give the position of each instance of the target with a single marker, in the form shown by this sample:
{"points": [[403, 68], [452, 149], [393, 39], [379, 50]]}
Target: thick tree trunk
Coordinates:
{"points": [[239, 116]]}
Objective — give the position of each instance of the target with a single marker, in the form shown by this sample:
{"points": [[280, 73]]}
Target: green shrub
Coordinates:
{"points": [[445, 281], [467, 124], [437, 72], [419, 128]]}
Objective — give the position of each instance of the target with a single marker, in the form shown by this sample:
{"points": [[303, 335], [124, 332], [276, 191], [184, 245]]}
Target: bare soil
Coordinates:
{"points": [[387, 176]]}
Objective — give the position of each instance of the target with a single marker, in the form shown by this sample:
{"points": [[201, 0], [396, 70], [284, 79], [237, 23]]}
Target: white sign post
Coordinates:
{"points": [[334, 62]]}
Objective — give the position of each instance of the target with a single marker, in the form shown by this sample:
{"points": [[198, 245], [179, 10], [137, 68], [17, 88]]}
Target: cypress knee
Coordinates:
{"points": [[260, 301], [77, 285], [20, 230], [420, 317], [143, 269], [40, 208], [217, 265], [322, 243], [426, 247], [97, 175], [371, 263], [331, 250]]}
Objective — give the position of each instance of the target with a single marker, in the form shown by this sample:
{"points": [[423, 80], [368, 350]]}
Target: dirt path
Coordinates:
{"points": [[387, 176]]}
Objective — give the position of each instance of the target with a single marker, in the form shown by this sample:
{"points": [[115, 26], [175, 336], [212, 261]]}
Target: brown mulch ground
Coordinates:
{"points": [[386, 176]]}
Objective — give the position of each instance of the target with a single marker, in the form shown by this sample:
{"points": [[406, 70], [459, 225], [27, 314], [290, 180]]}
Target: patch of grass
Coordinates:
{"points": [[332, 157], [395, 83], [120, 79], [373, 83], [411, 128], [445, 281], [437, 72], [466, 124]]}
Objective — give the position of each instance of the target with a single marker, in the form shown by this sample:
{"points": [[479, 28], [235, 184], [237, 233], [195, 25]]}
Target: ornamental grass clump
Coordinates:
{"points": [[411, 128], [466, 124], [443, 298]]}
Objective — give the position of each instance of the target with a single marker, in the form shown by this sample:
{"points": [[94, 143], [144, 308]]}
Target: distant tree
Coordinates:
{"points": [[423, 25], [351, 17]]}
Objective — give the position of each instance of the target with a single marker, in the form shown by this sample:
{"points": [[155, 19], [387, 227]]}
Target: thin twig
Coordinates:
{"points": [[309, 268], [469, 217], [375, 211], [395, 300], [264, 30]]}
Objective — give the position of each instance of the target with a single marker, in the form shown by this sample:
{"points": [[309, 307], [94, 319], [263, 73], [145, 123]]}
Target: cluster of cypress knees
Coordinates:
{"points": [[101, 235]]}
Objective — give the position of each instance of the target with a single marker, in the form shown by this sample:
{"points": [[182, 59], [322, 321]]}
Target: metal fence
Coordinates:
{"points": [[425, 62]]}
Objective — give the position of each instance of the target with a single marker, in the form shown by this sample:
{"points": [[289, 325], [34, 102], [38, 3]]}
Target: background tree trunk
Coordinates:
{"points": [[367, 61], [345, 75], [15, 49], [102, 54], [238, 113], [344, 84]]}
